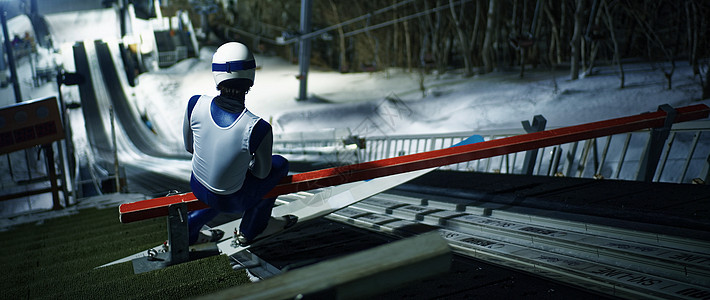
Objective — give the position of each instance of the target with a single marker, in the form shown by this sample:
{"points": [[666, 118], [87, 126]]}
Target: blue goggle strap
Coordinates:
{"points": [[233, 66]]}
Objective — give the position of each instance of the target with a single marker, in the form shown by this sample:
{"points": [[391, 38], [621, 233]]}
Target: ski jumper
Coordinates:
{"points": [[231, 169]]}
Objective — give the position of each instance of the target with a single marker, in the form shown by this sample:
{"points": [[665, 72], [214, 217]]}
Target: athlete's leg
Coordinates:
{"points": [[256, 218], [196, 219], [248, 200]]}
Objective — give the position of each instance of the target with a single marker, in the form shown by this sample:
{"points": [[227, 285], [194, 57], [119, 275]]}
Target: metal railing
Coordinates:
{"points": [[169, 58], [685, 156]]}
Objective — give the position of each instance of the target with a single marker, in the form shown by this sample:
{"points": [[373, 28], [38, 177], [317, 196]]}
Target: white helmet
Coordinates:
{"points": [[233, 60]]}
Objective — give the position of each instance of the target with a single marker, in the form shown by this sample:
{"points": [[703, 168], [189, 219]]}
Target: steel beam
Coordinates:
{"points": [[304, 50]]}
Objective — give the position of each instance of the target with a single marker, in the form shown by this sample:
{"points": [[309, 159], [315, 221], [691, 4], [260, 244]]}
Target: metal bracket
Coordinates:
{"points": [[179, 250], [178, 234], [654, 147], [538, 124]]}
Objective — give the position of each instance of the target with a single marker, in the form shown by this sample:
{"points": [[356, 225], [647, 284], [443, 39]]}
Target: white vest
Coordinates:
{"points": [[221, 155]]}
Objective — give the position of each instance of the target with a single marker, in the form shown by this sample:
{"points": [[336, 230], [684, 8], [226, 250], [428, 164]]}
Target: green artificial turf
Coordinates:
{"points": [[56, 259]]}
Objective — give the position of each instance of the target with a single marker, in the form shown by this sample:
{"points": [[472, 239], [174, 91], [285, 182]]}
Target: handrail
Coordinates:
{"points": [[135, 211], [684, 158], [602, 157]]}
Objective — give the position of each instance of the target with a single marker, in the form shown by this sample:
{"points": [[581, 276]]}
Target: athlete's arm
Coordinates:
{"points": [[186, 129], [261, 149]]}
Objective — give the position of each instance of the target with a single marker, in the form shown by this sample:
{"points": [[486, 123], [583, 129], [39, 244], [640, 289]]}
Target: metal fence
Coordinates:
{"points": [[685, 156]]}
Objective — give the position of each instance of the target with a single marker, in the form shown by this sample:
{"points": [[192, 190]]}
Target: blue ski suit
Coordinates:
{"points": [[232, 164]]}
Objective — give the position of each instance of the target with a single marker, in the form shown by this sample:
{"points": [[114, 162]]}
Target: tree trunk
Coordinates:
{"points": [[563, 19], [522, 62], [514, 18], [612, 35], [554, 39], [465, 50], [487, 53], [342, 63], [372, 40], [576, 39], [594, 17], [706, 87], [476, 28], [374, 43], [690, 12], [536, 30], [432, 48], [408, 45], [424, 41], [669, 74], [443, 54], [396, 61], [583, 54]]}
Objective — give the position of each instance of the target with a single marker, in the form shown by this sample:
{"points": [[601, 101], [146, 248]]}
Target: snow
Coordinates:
{"points": [[450, 102], [379, 103], [70, 27]]}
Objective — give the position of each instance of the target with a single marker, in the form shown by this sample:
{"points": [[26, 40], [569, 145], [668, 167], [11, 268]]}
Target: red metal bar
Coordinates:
{"points": [[334, 176]]}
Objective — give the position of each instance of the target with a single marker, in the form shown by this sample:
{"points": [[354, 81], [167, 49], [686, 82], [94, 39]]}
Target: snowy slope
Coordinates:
{"points": [[450, 102]]}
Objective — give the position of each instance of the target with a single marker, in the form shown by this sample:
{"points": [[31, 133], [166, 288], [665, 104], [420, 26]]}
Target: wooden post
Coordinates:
{"points": [[49, 158]]}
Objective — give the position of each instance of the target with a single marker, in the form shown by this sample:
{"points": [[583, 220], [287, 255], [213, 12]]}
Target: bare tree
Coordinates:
{"points": [[643, 18], [702, 37], [408, 45], [463, 42], [487, 52], [617, 55], [555, 52], [439, 36], [524, 37], [695, 25], [593, 35], [691, 22], [575, 44], [342, 61], [428, 30], [431, 42], [371, 39], [476, 27]]}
